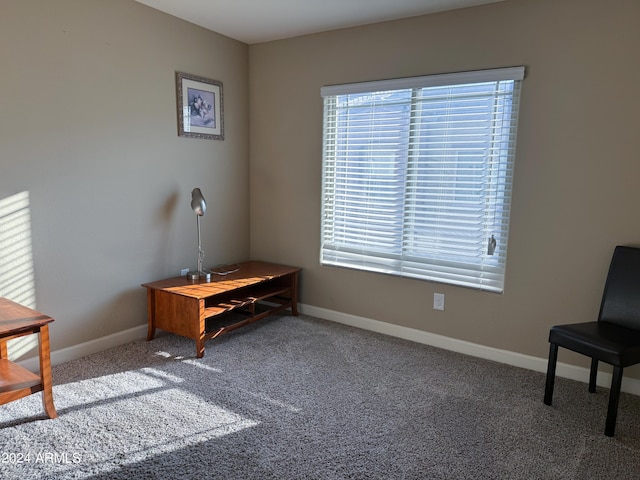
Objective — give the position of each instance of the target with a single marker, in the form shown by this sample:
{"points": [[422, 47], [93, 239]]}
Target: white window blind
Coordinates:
{"points": [[417, 176]]}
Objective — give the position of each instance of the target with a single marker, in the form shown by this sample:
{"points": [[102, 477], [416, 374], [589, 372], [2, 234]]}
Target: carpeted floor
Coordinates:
{"points": [[302, 398]]}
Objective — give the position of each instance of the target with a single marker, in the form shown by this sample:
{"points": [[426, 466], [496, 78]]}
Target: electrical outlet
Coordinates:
{"points": [[184, 271], [438, 301]]}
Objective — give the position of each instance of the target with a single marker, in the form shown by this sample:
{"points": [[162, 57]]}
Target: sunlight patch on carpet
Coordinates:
{"points": [[167, 416], [193, 420], [196, 363]]}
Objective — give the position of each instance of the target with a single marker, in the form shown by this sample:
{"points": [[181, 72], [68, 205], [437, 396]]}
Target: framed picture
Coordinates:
{"points": [[200, 110]]}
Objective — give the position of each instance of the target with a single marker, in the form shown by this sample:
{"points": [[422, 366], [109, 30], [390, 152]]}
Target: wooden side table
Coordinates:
{"points": [[15, 381]]}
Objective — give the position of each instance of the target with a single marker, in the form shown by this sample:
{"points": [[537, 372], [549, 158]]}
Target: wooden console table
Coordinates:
{"points": [[195, 308], [15, 381]]}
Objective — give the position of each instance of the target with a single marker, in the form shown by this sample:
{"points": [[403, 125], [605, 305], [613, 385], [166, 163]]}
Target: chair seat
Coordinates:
{"points": [[604, 341]]}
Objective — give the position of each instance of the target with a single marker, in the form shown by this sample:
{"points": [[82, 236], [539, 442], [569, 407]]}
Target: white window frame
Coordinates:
{"points": [[418, 193]]}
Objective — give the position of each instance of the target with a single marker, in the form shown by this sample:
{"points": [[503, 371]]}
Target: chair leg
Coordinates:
{"points": [[551, 373], [593, 375], [614, 398]]}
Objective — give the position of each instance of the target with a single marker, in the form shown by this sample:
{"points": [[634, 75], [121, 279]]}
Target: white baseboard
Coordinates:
{"points": [[87, 348], [581, 374]]}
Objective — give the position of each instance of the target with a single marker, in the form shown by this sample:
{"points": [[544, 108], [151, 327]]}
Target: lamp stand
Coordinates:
{"points": [[200, 273]]}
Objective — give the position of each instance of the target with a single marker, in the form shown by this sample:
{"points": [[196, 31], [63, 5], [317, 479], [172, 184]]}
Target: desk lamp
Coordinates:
{"points": [[199, 206]]}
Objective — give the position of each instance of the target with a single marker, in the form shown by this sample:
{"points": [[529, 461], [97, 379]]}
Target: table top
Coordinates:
{"points": [[241, 275], [15, 318]]}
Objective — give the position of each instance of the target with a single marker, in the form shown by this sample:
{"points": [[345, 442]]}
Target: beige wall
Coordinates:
{"points": [[577, 169], [88, 128]]}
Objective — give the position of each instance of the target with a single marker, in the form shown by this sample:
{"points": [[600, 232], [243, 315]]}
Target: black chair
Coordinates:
{"points": [[614, 338]]}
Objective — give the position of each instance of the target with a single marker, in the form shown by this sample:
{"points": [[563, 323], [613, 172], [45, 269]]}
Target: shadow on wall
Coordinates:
{"points": [[17, 281]]}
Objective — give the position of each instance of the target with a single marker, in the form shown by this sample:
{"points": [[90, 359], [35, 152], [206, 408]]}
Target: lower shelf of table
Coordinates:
{"points": [[230, 320], [14, 378], [254, 297]]}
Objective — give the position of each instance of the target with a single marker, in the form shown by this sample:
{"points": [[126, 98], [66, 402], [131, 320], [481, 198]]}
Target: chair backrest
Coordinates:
{"points": [[621, 299]]}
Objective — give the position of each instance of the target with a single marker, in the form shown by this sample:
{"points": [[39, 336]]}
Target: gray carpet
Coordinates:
{"points": [[302, 398]]}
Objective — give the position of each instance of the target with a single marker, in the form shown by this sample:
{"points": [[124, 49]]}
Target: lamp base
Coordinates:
{"points": [[201, 275]]}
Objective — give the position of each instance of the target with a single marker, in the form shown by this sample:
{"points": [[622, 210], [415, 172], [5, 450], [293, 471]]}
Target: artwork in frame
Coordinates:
{"points": [[200, 108]]}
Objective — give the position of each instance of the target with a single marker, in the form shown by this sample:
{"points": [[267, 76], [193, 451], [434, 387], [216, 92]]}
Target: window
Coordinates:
{"points": [[417, 176]]}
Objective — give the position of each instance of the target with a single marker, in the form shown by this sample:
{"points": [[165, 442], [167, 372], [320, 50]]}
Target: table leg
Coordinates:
{"points": [[294, 294], [151, 314], [45, 372], [202, 328], [199, 347], [3, 349]]}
